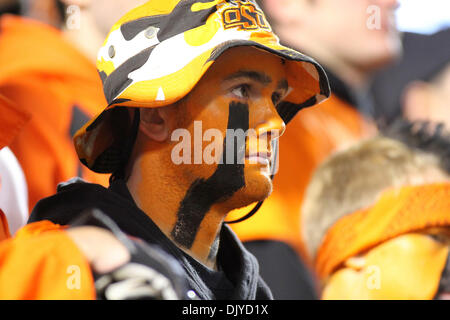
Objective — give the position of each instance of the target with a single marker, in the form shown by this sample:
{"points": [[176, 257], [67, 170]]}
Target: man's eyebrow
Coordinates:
{"points": [[254, 75]]}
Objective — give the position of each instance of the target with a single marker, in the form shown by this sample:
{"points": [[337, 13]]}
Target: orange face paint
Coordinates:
{"points": [[190, 200], [247, 76]]}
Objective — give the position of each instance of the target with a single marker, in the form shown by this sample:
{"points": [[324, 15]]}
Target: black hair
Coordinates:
{"points": [[423, 136], [11, 8]]}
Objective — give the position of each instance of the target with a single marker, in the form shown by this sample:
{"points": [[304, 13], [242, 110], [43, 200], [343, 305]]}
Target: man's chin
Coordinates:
{"points": [[256, 189]]}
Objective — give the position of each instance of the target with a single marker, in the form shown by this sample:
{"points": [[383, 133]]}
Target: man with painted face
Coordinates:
{"points": [[173, 71]]}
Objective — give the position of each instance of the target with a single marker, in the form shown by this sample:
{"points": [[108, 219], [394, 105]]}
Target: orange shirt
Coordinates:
{"points": [[310, 137], [47, 77], [41, 262], [12, 120]]}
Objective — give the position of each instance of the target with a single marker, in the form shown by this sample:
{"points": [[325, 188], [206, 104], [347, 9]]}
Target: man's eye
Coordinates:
{"points": [[242, 91], [276, 98]]}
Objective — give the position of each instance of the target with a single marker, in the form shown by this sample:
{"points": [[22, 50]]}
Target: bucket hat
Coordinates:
{"points": [[157, 53]]}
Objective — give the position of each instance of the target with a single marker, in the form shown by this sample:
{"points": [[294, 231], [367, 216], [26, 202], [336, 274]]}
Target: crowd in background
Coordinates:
{"points": [[360, 207]]}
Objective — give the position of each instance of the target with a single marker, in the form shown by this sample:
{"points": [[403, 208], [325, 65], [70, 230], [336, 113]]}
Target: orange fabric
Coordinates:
{"points": [[309, 138], [46, 77], [11, 122], [399, 211], [4, 228], [42, 263]]}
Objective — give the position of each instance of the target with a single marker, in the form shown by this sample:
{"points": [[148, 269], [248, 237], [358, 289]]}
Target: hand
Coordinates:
{"points": [[101, 248], [124, 268]]}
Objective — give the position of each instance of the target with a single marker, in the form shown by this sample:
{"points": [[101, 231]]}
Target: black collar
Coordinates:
{"points": [[72, 200]]}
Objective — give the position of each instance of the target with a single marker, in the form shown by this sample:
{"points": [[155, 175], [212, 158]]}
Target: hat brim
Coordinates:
{"points": [[307, 80]]}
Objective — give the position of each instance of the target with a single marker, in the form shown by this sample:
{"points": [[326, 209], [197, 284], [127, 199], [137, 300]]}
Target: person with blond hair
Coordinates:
{"points": [[376, 217]]}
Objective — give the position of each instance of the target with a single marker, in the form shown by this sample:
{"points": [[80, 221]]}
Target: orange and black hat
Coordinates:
{"points": [[157, 53]]}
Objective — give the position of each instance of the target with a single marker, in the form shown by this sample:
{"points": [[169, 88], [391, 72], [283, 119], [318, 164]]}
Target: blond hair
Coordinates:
{"points": [[354, 178]]}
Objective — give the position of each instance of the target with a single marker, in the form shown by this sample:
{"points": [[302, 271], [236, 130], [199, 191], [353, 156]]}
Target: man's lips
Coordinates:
{"points": [[260, 157]]}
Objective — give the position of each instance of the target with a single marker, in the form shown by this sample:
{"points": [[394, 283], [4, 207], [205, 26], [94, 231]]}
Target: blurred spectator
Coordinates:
{"points": [[13, 191], [88, 22], [13, 188], [417, 87], [376, 217], [9, 6], [48, 11], [351, 39], [51, 74]]}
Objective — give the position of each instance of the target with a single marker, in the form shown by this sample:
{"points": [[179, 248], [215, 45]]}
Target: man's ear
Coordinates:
{"points": [[154, 123]]}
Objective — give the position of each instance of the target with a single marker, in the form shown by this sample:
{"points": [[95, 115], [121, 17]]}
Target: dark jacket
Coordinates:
{"points": [[238, 277]]}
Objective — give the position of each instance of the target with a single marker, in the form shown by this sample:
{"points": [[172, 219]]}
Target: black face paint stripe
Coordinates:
{"points": [[288, 110], [276, 97], [226, 180]]}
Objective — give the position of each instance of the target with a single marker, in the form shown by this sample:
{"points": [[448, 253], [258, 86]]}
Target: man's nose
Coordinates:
{"points": [[268, 121]]}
